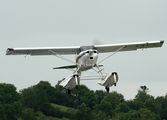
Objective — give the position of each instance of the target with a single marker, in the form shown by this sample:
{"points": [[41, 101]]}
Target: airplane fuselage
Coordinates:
{"points": [[87, 59]]}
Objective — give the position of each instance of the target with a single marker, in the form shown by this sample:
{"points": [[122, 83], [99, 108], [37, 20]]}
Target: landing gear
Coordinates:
{"points": [[107, 89], [76, 86], [115, 84], [72, 82], [76, 77], [68, 91]]}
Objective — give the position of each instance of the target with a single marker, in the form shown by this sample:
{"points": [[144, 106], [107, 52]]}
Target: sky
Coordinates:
{"points": [[54, 23]]}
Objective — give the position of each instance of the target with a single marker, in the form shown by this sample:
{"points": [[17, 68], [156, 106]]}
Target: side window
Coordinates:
{"points": [[87, 51]]}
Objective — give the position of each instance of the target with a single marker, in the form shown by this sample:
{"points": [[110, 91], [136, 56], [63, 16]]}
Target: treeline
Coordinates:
{"points": [[39, 102]]}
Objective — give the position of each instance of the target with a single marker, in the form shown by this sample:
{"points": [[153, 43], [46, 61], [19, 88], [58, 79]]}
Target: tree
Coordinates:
{"points": [[100, 94], [29, 98], [8, 93], [84, 112], [49, 90], [134, 105], [62, 98], [28, 114], [78, 93], [141, 98], [114, 98], [151, 105], [162, 102], [39, 98], [106, 107], [100, 116], [35, 96], [10, 107], [141, 114], [41, 91], [89, 99], [146, 114], [122, 108]]}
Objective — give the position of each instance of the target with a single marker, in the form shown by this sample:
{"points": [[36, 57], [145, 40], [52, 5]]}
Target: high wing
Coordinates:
{"points": [[77, 49], [128, 46], [43, 50]]}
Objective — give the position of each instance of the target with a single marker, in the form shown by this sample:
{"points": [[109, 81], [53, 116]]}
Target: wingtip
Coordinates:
{"points": [[162, 41], [10, 49]]}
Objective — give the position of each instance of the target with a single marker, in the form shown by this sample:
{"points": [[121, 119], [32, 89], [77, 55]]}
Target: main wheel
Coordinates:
{"points": [[107, 89], [68, 91], [76, 86]]}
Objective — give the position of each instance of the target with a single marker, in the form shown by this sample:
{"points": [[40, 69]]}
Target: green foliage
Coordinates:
{"points": [[100, 94], [110, 101], [142, 97], [114, 98], [151, 105], [41, 116], [28, 98], [142, 114], [64, 108], [122, 108], [28, 114], [8, 93], [45, 102], [33, 97], [89, 99], [100, 116], [64, 99], [10, 107], [134, 105], [106, 107], [83, 113], [146, 114], [162, 102]]}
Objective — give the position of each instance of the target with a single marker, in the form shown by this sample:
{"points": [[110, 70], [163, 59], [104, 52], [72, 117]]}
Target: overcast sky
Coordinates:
{"points": [[50, 23]]}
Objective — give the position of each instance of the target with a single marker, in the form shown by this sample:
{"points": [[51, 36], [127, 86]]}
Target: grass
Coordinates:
{"points": [[64, 108]]}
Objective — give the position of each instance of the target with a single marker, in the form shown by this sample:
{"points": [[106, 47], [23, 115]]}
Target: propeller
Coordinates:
{"points": [[97, 42]]}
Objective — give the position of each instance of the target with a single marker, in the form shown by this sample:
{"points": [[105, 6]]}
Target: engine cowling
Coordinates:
{"points": [[109, 80]]}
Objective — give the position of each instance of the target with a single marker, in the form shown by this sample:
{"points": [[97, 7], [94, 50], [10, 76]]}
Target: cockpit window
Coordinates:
{"points": [[95, 51], [91, 52]]}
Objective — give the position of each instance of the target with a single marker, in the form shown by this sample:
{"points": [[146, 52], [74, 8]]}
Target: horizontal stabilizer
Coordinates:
{"points": [[72, 67], [66, 67], [99, 66]]}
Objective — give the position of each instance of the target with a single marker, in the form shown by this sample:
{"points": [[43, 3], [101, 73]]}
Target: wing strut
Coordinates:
{"points": [[112, 54], [61, 57]]}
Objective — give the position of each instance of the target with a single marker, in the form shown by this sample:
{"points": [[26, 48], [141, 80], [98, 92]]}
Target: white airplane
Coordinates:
{"points": [[86, 58]]}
